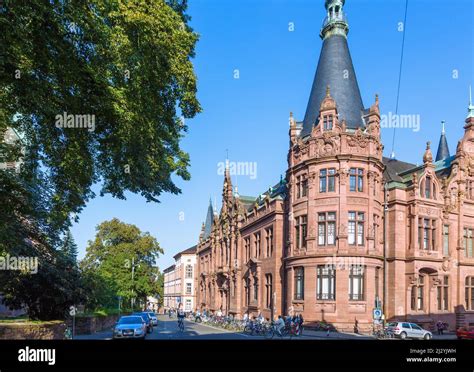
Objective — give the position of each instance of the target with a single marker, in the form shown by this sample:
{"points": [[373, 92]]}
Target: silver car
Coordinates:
{"points": [[405, 330], [154, 319], [130, 327]]}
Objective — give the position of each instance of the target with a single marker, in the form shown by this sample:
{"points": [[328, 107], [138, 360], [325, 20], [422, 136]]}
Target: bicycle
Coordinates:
{"points": [[271, 331]]}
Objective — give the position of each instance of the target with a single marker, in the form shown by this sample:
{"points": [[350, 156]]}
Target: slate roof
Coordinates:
{"points": [[443, 150], [393, 168], [209, 219], [334, 61]]}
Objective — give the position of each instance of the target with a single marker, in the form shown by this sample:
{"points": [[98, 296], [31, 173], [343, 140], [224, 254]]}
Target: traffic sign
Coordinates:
{"points": [[377, 313]]}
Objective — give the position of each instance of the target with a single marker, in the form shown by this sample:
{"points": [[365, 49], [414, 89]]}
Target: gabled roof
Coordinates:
{"points": [[191, 250]]}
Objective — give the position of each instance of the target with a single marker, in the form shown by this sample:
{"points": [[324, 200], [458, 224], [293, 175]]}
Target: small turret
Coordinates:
{"points": [[443, 150]]}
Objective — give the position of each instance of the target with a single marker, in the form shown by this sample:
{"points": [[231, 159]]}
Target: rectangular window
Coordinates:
{"points": [[258, 247], [356, 179], [189, 271], [323, 180], [299, 283], [304, 188], [427, 233], [304, 230], [327, 180], [356, 283], [268, 290], [269, 241], [469, 294], [445, 240], [189, 288], [247, 248], [443, 294], [327, 228], [326, 282], [356, 228], [331, 179], [327, 122], [298, 187], [468, 242]]}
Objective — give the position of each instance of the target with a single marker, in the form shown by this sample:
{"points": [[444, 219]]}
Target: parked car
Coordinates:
{"points": [[466, 333], [147, 319], [130, 327], [154, 319], [405, 330]]}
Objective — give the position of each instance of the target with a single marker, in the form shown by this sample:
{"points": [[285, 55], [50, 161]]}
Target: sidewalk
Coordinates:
{"points": [[334, 335]]}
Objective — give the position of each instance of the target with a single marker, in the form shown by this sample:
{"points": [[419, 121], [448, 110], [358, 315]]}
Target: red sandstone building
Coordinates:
{"points": [[347, 230]]}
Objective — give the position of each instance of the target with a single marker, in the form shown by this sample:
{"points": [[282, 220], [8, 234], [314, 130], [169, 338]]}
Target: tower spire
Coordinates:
{"points": [[335, 69], [443, 150]]}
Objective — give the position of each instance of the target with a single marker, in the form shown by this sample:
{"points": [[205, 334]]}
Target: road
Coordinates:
{"points": [[167, 329]]}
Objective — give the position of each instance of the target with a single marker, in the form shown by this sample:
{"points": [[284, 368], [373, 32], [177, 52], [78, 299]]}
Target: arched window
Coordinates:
{"points": [[418, 294], [428, 188]]}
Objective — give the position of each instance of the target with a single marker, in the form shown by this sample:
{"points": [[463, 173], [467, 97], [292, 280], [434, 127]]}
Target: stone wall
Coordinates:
{"points": [[91, 324], [30, 331]]}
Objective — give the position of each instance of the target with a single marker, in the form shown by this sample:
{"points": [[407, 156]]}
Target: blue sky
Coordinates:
{"points": [[249, 115]]}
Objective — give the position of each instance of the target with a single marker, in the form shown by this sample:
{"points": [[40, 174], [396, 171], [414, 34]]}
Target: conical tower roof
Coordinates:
{"points": [[209, 219], [335, 69], [443, 150]]}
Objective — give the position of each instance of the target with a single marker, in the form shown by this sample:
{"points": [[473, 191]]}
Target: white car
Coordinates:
{"points": [[130, 327], [405, 330]]}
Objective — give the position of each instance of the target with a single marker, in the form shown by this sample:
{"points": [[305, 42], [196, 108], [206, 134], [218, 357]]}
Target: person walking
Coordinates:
{"points": [[440, 327]]}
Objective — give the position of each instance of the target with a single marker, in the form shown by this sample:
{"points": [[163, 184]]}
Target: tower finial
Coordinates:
{"points": [[328, 91], [442, 127], [335, 22], [470, 110]]}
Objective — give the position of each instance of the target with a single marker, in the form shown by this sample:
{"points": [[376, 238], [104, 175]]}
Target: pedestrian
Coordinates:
{"points": [[440, 326]]}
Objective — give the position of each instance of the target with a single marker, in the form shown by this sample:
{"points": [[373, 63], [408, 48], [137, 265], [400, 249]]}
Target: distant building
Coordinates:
{"points": [[180, 281]]}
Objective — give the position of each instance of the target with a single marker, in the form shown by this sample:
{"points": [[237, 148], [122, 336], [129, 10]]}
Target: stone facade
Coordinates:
{"points": [[347, 230]]}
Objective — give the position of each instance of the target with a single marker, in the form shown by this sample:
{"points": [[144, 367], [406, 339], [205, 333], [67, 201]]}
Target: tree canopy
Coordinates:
{"points": [[128, 65], [125, 67], [124, 258]]}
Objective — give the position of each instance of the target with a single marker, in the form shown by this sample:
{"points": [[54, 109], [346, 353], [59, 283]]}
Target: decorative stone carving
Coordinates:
{"points": [[357, 142]]}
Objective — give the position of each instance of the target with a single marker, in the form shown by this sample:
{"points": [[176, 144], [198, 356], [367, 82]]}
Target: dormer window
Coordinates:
{"points": [[327, 122], [428, 188]]}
